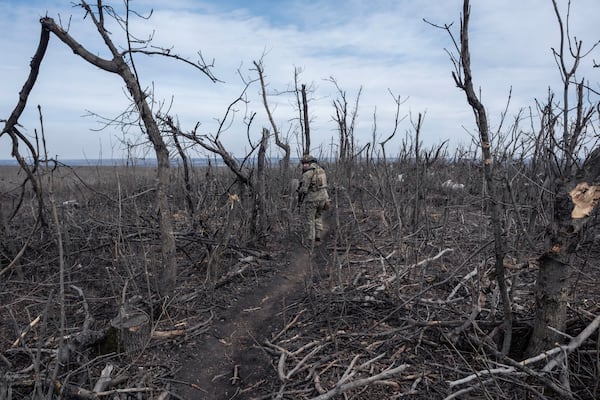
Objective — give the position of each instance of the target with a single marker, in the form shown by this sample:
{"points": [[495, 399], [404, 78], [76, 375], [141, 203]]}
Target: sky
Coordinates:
{"points": [[375, 51]]}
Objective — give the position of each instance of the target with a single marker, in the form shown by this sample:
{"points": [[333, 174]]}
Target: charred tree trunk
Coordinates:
{"points": [[282, 145], [345, 119], [306, 120], [187, 180], [10, 128], [555, 275], [260, 214], [416, 216], [551, 295]]}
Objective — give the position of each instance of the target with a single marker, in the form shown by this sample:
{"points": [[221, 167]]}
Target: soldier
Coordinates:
{"points": [[312, 194]]}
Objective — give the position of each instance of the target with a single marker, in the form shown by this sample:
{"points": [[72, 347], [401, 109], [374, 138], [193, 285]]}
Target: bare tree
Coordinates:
{"points": [[346, 121], [301, 92], [123, 65], [463, 78], [305, 119], [260, 203], [389, 187], [214, 144], [251, 181], [187, 166], [563, 150], [10, 128], [281, 144]]}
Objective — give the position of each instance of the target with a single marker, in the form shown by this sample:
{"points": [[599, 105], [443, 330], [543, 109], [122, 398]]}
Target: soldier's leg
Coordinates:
{"points": [[318, 223], [310, 210]]}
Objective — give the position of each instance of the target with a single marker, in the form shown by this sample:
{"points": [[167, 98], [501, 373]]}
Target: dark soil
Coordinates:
{"points": [[228, 361]]}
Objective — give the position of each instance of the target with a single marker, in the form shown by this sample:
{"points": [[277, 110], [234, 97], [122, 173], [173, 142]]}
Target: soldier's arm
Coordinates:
{"points": [[305, 182]]}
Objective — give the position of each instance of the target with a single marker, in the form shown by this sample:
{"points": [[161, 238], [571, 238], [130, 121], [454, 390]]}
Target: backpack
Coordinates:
{"points": [[319, 179]]}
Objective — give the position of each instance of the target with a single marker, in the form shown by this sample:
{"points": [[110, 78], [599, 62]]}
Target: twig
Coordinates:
{"points": [[420, 264], [105, 380], [461, 284], [26, 330], [573, 344], [518, 366], [88, 317], [303, 361], [25, 246], [289, 325], [232, 274], [342, 388]]}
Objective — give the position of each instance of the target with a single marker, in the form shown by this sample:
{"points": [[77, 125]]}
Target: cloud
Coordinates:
{"points": [[383, 47]]}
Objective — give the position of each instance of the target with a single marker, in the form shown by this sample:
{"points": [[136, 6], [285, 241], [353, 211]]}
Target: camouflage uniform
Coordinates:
{"points": [[313, 188]]}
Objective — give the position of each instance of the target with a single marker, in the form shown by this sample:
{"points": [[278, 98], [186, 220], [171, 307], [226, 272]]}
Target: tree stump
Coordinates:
{"points": [[133, 330]]}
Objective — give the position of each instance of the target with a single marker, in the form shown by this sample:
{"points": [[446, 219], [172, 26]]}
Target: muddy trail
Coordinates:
{"points": [[228, 362]]}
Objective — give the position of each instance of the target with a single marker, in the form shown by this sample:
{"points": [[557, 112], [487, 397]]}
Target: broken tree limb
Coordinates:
{"points": [[301, 365], [105, 379], [342, 388], [486, 372], [420, 264], [462, 283], [33, 323], [289, 325], [514, 367], [239, 270], [281, 367], [168, 334], [573, 344], [88, 317], [584, 197]]}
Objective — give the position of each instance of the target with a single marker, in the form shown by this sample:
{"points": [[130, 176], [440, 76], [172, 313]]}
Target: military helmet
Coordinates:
{"points": [[307, 158]]}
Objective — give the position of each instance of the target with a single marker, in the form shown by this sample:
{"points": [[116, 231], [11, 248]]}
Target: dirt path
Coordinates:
{"points": [[226, 363]]}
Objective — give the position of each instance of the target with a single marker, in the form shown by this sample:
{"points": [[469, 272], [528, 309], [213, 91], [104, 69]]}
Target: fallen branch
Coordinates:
{"points": [[168, 334], [342, 388], [180, 332], [420, 264], [462, 283], [301, 364], [560, 351], [486, 372], [289, 325], [232, 274], [105, 379], [513, 367], [26, 330], [88, 317], [573, 344]]}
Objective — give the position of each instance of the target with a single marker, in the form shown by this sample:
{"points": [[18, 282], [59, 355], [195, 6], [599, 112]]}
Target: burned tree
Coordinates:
{"points": [[345, 120], [305, 119], [564, 130], [283, 145], [463, 78], [123, 65]]}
